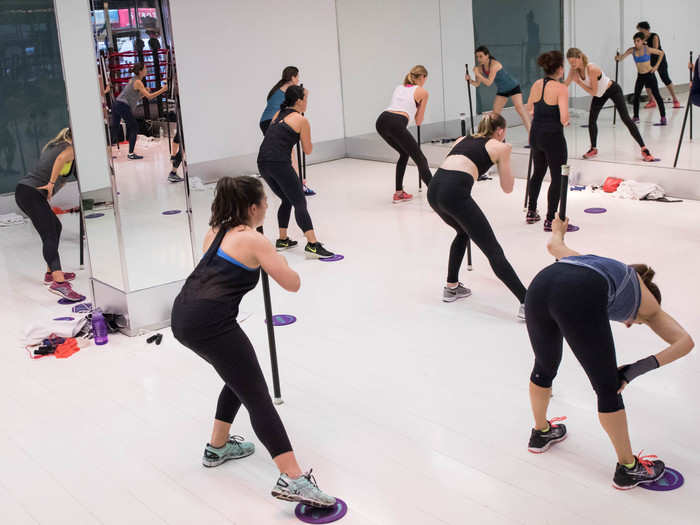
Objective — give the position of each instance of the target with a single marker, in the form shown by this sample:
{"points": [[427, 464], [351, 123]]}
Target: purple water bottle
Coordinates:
{"points": [[99, 327]]}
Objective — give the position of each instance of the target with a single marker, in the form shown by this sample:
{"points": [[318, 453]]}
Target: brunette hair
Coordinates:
{"points": [[138, 67], [287, 74], [233, 197], [647, 274], [291, 96], [639, 36], [643, 25], [551, 61]]}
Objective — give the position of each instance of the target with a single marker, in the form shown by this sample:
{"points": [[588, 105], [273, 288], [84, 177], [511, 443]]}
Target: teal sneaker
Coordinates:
{"points": [[235, 448], [303, 490]]}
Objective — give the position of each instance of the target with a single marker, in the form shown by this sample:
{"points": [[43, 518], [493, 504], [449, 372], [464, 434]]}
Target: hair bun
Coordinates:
{"points": [[648, 274]]}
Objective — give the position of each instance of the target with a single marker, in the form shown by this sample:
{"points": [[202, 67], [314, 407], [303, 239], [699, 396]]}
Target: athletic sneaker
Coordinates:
{"points": [[663, 121], [308, 191], [521, 312], [303, 490], [134, 156], [541, 441], [67, 276], [316, 251], [402, 196], [676, 104], [635, 120], [643, 471], [452, 294], [283, 244], [548, 226], [647, 156], [650, 104], [532, 217], [65, 290], [590, 153], [174, 177], [235, 448]]}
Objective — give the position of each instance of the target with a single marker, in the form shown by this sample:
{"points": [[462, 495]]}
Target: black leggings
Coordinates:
{"points": [[33, 202], [233, 357], [121, 110], [548, 150], [663, 69], [449, 194], [284, 183], [614, 92], [264, 124], [572, 302], [647, 80], [177, 158], [392, 128]]}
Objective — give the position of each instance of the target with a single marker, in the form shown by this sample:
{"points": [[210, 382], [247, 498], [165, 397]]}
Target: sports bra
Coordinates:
{"points": [[646, 57], [404, 99], [279, 140], [474, 148], [546, 116]]}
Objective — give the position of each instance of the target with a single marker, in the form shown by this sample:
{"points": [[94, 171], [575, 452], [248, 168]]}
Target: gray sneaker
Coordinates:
{"points": [[303, 490], [452, 294], [174, 177], [235, 448], [521, 313]]}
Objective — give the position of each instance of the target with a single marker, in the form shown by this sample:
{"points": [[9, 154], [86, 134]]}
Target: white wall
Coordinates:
{"points": [[379, 43], [229, 54]]}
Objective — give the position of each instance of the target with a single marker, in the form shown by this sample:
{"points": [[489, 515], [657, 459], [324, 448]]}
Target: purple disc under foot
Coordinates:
{"points": [[332, 258], [309, 514], [572, 228], [584, 125], [282, 319], [171, 212], [595, 210], [94, 215], [64, 318], [63, 300], [671, 480]]}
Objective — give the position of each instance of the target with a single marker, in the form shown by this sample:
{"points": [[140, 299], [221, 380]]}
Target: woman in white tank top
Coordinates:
{"points": [[408, 102], [595, 82]]}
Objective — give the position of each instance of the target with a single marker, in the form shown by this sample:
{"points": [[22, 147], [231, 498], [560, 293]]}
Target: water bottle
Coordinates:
{"points": [[99, 327]]}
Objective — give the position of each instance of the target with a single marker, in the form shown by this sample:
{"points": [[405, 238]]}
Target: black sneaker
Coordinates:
{"points": [[643, 471], [541, 441], [317, 251], [134, 156], [174, 177], [532, 217], [283, 244]]}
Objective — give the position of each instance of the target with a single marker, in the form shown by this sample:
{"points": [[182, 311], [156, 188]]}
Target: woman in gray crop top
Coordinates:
{"points": [[125, 105], [576, 298]]}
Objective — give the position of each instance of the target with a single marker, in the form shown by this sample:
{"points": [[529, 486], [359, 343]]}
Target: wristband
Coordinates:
{"points": [[628, 372]]}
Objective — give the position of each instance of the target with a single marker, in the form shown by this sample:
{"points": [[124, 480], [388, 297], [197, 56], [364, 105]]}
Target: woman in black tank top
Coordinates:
{"points": [[449, 194]]}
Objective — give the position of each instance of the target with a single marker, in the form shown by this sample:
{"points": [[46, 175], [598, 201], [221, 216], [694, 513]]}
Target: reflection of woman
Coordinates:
{"points": [[290, 77], [33, 193], [549, 102], [204, 320], [645, 74], [175, 159], [594, 82], [490, 71], [288, 127], [576, 298], [653, 40], [125, 105], [449, 194], [408, 102]]}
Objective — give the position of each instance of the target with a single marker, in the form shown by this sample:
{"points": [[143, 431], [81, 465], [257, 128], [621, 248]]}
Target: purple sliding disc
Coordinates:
{"points": [[171, 212], [63, 300], [332, 258], [595, 210], [572, 228], [64, 319], [94, 215], [282, 319], [671, 480], [309, 514]]}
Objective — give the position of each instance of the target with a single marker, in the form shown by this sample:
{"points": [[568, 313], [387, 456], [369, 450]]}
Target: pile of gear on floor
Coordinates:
{"points": [[629, 189]]}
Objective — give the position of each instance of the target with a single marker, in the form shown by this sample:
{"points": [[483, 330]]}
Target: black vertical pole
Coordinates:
{"points": [[469, 254], [680, 139], [689, 104], [420, 182], [463, 124], [617, 68], [527, 183], [301, 175], [271, 335], [469, 92], [82, 237]]}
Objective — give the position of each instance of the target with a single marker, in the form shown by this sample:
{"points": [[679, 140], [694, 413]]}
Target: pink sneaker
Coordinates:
{"points": [[66, 291], [650, 104], [402, 196], [590, 153], [676, 104], [67, 276]]}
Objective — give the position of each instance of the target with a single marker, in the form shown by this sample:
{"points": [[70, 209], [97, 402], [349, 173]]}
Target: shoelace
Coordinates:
{"points": [[312, 480], [236, 440], [553, 422], [645, 462]]}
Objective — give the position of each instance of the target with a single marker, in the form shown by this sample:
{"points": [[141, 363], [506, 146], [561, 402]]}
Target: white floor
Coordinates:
{"points": [[412, 410]]}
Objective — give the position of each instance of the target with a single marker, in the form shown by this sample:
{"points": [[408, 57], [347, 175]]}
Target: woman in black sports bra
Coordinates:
{"points": [[549, 101], [449, 194]]}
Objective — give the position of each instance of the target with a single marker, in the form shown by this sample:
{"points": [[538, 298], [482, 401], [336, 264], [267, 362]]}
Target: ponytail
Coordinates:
{"points": [[646, 274], [414, 75], [292, 96], [233, 197], [138, 67], [64, 136], [489, 124], [287, 74]]}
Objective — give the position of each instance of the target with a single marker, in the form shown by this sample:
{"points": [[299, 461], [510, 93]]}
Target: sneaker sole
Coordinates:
{"points": [[532, 221], [81, 298], [298, 499], [455, 298], [618, 487], [281, 249], [547, 446], [402, 200], [221, 461]]}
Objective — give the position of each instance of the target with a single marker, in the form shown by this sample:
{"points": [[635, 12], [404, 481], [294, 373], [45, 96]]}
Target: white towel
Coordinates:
{"points": [[631, 189], [11, 219]]}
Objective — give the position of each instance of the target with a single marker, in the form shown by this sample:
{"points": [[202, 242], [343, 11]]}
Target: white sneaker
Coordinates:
{"points": [[303, 490]]}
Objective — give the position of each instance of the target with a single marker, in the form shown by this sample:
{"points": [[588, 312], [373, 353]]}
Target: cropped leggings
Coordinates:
{"points": [[567, 301], [33, 202], [284, 183], [449, 194], [121, 110], [614, 93], [393, 129], [647, 80], [548, 150]]}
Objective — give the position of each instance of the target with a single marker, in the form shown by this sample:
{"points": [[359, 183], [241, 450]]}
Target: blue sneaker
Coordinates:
{"points": [[235, 448], [303, 490], [308, 191]]}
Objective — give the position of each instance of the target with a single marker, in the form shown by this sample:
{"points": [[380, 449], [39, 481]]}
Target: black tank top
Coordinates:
{"points": [[546, 117], [279, 140], [474, 148]]}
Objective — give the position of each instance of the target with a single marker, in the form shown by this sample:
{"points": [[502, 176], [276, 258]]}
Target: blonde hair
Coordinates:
{"points": [[489, 124], [64, 136], [416, 72], [575, 52]]}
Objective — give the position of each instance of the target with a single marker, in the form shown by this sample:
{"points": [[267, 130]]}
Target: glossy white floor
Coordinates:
{"points": [[412, 410]]}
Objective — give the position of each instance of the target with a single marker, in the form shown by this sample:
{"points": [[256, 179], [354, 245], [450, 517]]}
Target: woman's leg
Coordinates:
{"points": [[663, 74], [596, 105], [654, 86], [638, 84], [132, 128], [287, 182], [557, 155], [32, 202], [459, 245], [618, 99], [499, 103], [114, 124], [407, 143], [387, 127], [539, 168], [284, 212], [520, 108]]}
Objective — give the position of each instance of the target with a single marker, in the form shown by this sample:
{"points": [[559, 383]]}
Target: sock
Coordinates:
{"points": [[630, 465], [453, 287], [546, 429]]}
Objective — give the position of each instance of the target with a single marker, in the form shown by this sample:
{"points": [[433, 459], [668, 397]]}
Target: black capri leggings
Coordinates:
{"points": [[567, 301], [614, 92], [233, 357], [647, 80], [33, 202], [121, 110], [284, 183], [449, 194], [393, 129], [663, 69], [548, 150]]}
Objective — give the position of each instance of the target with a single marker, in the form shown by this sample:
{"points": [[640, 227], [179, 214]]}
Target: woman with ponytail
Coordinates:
{"points": [[204, 320], [408, 102], [32, 195], [595, 82], [275, 98], [576, 298], [287, 127], [449, 194]]}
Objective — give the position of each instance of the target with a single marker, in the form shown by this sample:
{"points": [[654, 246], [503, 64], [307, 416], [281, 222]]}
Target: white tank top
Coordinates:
{"points": [[404, 100], [603, 81]]}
